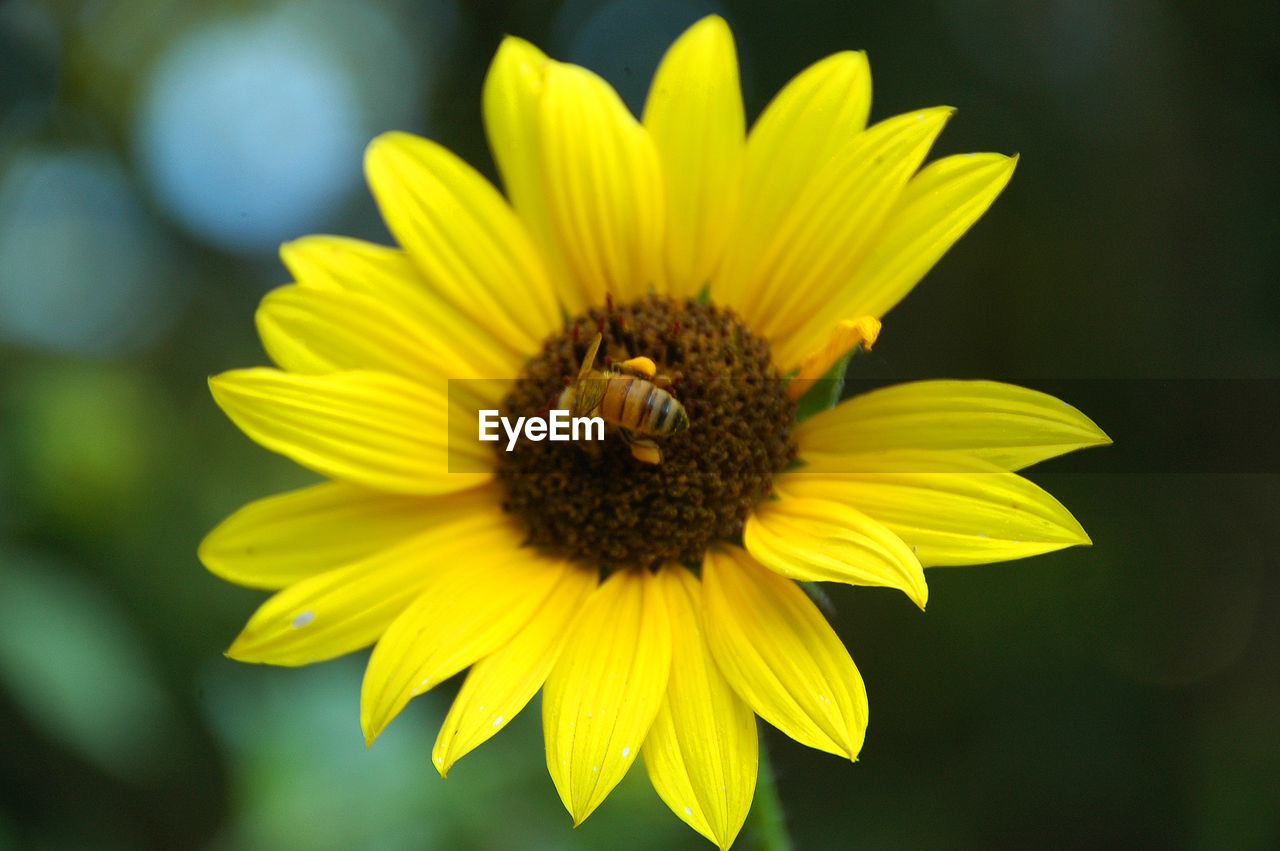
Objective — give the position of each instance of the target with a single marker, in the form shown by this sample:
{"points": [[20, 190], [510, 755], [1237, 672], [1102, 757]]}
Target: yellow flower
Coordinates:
{"points": [[653, 604]]}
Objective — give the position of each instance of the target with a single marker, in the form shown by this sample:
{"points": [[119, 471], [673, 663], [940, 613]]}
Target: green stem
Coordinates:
{"points": [[766, 823]]}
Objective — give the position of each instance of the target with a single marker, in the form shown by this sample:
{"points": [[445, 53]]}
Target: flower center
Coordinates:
{"points": [[599, 501]]}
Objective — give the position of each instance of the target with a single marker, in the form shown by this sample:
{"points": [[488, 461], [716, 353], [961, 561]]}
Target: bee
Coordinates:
{"points": [[627, 395]]}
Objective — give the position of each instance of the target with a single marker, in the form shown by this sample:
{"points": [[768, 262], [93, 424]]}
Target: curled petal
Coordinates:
{"points": [[820, 242], [845, 336]]}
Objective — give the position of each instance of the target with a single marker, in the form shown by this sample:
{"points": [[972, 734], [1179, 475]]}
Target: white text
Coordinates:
{"points": [[557, 426]]}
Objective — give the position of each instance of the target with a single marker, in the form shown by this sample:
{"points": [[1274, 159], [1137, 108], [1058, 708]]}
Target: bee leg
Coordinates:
{"points": [[662, 380], [642, 367], [646, 452], [643, 449]]}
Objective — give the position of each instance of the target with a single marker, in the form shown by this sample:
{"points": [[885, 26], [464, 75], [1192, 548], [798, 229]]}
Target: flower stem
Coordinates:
{"points": [[766, 823]]}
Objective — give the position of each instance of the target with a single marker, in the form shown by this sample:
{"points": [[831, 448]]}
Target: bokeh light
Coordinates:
{"points": [[79, 671], [82, 266], [84, 438], [248, 136], [249, 131]]}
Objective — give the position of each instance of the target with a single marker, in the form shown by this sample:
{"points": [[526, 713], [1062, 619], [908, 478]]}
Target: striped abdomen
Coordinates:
{"points": [[642, 407]]}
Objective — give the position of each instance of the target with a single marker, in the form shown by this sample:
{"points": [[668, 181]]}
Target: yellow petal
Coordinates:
{"points": [[513, 90], [847, 335], [822, 238], [815, 540], [318, 331], [812, 117], [290, 536], [1010, 426], [602, 184], [776, 650], [462, 235], [815, 115], [369, 428], [605, 688], [695, 118], [948, 508], [453, 343], [499, 685], [482, 596], [936, 208], [702, 754], [347, 608]]}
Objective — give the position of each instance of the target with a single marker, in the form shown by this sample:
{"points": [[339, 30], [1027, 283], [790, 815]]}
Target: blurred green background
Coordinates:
{"points": [[153, 153]]}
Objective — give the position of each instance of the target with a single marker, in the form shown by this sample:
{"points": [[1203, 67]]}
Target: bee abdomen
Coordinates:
{"points": [[643, 407], [614, 402], [663, 414]]}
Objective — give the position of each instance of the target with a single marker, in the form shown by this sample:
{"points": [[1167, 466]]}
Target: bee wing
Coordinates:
{"points": [[591, 390], [590, 359]]}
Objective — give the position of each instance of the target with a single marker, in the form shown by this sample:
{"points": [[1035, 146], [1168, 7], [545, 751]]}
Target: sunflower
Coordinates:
{"points": [[657, 606]]}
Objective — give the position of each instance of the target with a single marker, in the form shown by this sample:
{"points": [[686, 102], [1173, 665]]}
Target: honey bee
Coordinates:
{"points": [[627, 395]]}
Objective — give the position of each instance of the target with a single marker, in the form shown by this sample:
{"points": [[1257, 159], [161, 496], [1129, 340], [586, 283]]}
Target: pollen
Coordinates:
{"points": [[594, 501]]}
